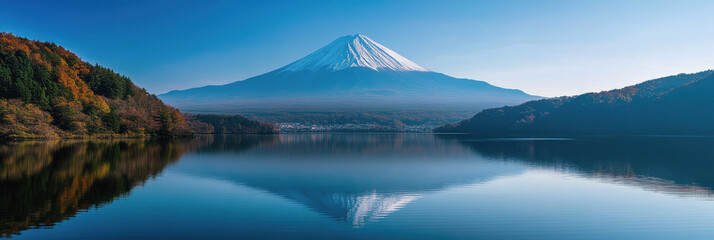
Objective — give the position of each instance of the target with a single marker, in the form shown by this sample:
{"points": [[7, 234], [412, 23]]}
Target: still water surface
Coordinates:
{"points": [[359, 186]]}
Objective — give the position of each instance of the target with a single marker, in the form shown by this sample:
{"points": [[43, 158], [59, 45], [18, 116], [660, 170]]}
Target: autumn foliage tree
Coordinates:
{"points": [[79, 98], [18, 120]]}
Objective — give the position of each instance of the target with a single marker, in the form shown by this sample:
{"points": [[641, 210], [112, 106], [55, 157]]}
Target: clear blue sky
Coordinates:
{"points": [[548, 48]]}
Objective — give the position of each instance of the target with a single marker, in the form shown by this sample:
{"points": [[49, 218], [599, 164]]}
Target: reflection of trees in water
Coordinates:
{"points": [[47, 182], [361, 144], [329, 144], [228, 143], [677, 165]]}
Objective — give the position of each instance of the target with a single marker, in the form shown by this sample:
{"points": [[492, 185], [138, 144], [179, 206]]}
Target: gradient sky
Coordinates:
{"points": [[547, 48]]}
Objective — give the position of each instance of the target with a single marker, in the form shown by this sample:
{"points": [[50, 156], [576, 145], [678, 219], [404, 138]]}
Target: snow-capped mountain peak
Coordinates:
{"points": [[354, 51]]}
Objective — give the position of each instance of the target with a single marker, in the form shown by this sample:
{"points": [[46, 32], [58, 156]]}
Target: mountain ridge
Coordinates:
{"points": [[650, 107]]}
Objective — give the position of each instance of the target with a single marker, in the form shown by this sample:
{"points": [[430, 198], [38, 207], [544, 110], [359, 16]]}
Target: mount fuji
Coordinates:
{"points": [[352, 73]]}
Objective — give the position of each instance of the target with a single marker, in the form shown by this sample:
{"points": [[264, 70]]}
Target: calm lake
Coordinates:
{"points": [[359, 186]]}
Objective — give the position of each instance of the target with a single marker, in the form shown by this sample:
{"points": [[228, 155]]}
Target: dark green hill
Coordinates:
{"points": [[678, 104], [228, 124]]}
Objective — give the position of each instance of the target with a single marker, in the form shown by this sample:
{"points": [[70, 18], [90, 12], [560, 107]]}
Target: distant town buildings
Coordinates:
{"points": [[350, 127]]}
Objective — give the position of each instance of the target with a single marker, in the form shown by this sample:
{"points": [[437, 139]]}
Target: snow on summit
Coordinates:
{"points": [[354, 51]]}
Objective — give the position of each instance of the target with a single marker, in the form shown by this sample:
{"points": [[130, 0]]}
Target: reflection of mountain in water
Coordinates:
{"points": [[356, 209], [674, 165], [356, 178], [43, 183]]}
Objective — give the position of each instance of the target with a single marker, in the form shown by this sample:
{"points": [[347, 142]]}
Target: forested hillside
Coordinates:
{"points": [[678, 104], [228, 124], [47, 91]]}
